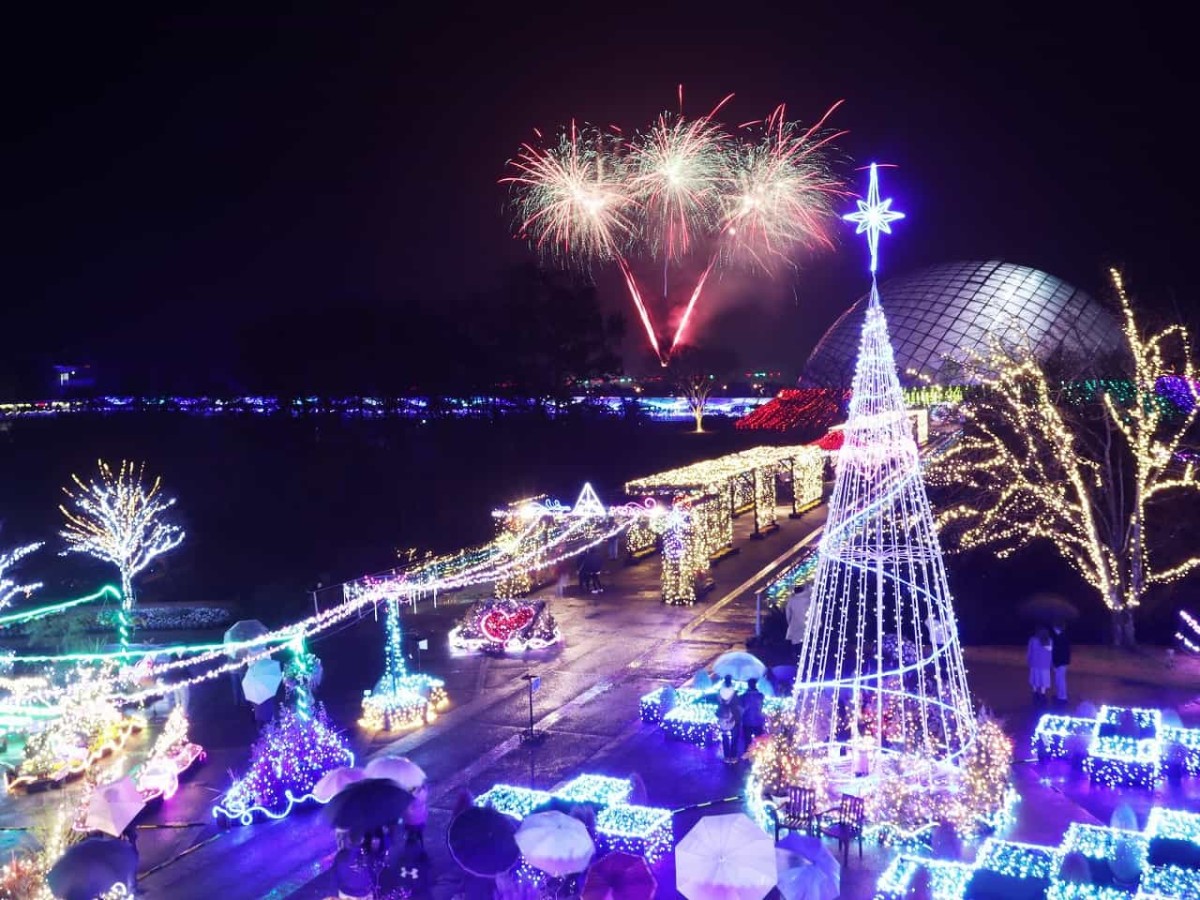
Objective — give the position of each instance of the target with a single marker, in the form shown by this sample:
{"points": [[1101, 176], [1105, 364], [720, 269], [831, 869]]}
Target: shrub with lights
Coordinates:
{"points": [[88, 728], [1121, 746], [1092, 862], [506, 625], [295, 749], [171, 756], [640, 830]]}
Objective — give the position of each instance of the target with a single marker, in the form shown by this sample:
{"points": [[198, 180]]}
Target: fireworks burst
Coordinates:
{"points": [[573, 199], [678, 171], [781, 192], [684, 189]]}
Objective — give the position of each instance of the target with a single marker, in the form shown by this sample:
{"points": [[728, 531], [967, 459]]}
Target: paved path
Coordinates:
{"points": [[619, 645]]}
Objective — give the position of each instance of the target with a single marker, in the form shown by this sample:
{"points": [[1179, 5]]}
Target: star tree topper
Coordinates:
{"points": [[874, 216]]}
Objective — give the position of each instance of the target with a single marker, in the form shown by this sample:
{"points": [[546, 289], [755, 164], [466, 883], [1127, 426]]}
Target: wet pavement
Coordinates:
{"points": [[618, 645]]}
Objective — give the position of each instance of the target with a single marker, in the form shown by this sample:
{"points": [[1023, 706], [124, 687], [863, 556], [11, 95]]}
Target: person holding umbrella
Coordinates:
{"points": [[1039, 656], [729, 719], [1061, 658]]}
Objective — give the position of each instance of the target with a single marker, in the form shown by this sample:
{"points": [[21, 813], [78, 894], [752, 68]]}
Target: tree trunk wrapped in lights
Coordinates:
{"points": [[1036, 469], [868, 666]]}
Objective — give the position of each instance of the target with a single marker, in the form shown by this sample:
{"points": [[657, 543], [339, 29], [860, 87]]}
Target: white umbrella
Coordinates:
{"points": [[261, 680], [725, 858], [334, 780], [806, 869], [113, 806], [740, 665], [400, 769], [555, 843], [245, 630]]}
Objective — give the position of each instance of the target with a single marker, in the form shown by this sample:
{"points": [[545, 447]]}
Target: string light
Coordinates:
{"points": [[1122, 746], [117, 520], [286, 762], [641, 830], [1041, 482], [1189, 633], [9, 589], [517, 802], [509, 625], [171, 756]]}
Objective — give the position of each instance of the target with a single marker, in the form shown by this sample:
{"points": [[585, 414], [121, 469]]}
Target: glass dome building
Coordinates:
{"points": [[937, 313]]}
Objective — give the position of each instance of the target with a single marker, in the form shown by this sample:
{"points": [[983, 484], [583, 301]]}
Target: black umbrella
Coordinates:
{"points": [[1048, 609], [368, 804], [92, 867], [482, 841]]}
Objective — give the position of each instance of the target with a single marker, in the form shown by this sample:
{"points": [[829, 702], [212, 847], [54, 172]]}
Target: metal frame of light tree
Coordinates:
{"points": [[880, 577], [1059, 487]]}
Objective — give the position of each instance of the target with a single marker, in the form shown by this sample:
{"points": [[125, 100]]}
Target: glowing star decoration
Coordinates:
{"points": [[9, 589], [873, 217], [118, 520]]}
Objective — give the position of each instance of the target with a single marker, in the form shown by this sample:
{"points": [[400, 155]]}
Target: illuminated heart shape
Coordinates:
{"points": [[499, 626]]}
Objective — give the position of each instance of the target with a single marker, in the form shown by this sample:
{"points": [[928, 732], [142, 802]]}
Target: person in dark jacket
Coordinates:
{"points": [[753, 718], [1060, 656]]}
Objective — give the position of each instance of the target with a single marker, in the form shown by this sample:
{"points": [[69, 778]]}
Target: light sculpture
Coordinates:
{"points": [[867, 658]]}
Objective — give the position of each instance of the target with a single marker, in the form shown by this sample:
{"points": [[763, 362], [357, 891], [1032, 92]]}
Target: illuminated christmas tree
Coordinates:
{"points": [[294, 750], [881, 668]]}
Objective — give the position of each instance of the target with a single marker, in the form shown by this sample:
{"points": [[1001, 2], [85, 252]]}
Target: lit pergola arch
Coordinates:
{"points": [[701, 500]]}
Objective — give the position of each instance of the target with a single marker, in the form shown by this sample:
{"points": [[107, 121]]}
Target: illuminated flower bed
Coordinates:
{"points": [[1093, 862], [89, 727], [409, 700], [509, 625], [642, 830], [692, 716], [1121, 746], [171, 756]]}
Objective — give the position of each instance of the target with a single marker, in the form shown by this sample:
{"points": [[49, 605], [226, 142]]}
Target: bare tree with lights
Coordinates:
{"points": [[10, 589], [1032, 467], [117, 519], [697, 372]]}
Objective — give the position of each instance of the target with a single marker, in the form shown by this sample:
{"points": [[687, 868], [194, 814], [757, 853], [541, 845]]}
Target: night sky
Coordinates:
{"points": [[171, 177]]}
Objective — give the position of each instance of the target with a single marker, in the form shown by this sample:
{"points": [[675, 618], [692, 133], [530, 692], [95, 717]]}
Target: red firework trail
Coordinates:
{"points": [[687, 313], [641, 307]]}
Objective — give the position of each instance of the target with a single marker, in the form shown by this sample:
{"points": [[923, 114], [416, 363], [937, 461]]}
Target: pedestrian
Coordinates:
{"points": [[729, 719], [753, 719], [130, 834], [797, 615], [352, 874], [1061, 658], [584, 575], [416, 815], [1040, 655], [561, 587]]}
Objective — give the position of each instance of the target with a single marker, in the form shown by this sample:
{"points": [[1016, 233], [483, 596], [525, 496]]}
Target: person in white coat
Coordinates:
{"points": [[797, 614]]}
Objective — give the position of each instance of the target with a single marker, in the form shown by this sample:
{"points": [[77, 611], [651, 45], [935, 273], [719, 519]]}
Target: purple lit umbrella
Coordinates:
{"points": [[555, 843], [113, 806], [725, 858], [806, 869], [333, 782], [619, 876], [239, 632], [482, 842], [399, 769]]}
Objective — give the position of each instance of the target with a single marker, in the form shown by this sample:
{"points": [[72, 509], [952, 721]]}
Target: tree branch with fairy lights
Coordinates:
{"points": [[117, 519], [1031, 467], [9, 589]]}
